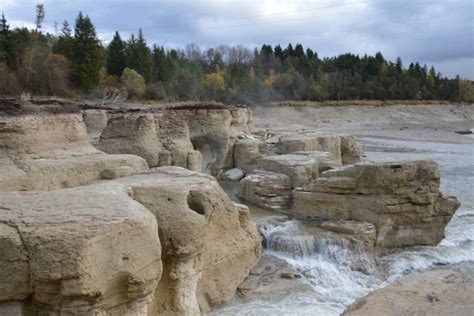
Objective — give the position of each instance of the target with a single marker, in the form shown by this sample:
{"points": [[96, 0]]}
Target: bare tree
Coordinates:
{"points": [[40, 14]]}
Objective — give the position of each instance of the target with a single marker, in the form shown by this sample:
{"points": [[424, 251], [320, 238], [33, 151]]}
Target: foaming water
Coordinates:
{"points": [[328, 265]]}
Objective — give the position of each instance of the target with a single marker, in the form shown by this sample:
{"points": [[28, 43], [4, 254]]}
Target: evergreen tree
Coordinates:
{"points": [[86, 54], [116, 57], [8, 47], [139, 56], [65, 41]]}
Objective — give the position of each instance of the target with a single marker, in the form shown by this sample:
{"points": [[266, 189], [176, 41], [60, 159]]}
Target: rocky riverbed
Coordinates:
{"points": [[430, 135], [107, 209]]}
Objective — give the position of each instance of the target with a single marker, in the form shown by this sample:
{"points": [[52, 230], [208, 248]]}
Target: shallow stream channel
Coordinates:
{"points": [[329, 282]]}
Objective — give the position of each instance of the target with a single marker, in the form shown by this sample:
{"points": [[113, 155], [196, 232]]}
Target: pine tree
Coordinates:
{"points": [[86, 54], [8, 49], [116, 57], [65, 41], [139, 56]]}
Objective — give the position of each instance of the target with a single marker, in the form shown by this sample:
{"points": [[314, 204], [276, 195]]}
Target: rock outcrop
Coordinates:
{"points": [[271, 184], [95, 249], [81, 251], [50, 151], [436, 292], [344, 148], [402, 199], [198, 137]]}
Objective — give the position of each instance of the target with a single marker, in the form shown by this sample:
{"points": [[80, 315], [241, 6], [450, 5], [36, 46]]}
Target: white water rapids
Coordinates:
{"points": [[326, 265]]}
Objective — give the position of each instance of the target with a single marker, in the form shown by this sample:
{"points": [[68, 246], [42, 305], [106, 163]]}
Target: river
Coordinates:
{"points": [[328, 272]]}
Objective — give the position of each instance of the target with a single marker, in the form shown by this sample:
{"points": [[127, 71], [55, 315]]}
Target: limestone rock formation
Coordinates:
{"points": [[209, 244], [302, 166], [95, 249], [271, 185], [81, 251], [162, 139], [402, 199], [50, 151], [436, 292], [345, 149], [269, 190], [197, 137]]}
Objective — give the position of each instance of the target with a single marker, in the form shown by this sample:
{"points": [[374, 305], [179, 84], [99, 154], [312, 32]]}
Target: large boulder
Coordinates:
{"points": [[302, 166], [95, 249], [209, 244], [82, 251], [269, 190], [271, 185], [51, 151], [436, 292], [344, 148], [402, 199]]}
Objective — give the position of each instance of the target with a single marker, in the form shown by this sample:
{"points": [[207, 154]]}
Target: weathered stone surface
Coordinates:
{"points": [[162, 139], [234, 174], [344, 148], [96, 121], [302, 167], [436, 292], [351, 151], [199, 137], [95, 249], [209, 244], [272, 277], [80, 251], [51, 151], [247, 154], [401, 199], [269, 190]]}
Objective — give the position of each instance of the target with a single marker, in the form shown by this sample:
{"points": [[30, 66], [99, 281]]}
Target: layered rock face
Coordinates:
{"points": [[84, 251], [96, 250], [161, 139], [402, 199], [50, 151], [197, 137]]}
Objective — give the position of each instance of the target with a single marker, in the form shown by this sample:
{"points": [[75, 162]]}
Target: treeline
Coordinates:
{"points": [[74, 62]]}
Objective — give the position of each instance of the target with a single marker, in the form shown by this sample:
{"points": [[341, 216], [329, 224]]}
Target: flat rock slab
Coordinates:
{"points": [[402, 200], [436, 292]]}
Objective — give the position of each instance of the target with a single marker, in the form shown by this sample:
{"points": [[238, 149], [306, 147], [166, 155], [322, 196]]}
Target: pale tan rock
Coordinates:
{"points": [[351, 151], [437, 292], [401, 199], [96, 121], [209, 244], [51, 151], [302, 167], [344, 148], [247, 154], [95, 249], [134, 134], [269, 190], [81, 251]]}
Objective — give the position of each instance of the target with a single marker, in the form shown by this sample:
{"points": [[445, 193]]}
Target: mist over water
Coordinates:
{"points": [[327, 266]]}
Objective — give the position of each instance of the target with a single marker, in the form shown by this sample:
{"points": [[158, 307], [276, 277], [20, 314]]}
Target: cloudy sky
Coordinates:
{"points": [[433, 32]]}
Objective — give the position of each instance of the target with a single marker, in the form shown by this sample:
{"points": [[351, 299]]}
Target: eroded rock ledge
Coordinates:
{"points": [[165, 241], [435, 292]]}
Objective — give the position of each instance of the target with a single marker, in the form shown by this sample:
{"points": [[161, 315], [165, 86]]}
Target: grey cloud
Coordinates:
{"points": [[429, 31]]}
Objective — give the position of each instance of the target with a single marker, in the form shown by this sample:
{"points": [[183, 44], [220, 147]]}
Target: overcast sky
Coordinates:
{"points": [[433, 32]]}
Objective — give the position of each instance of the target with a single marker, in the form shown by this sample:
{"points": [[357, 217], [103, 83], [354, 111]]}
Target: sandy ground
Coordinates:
{"points": [[436, 123]]}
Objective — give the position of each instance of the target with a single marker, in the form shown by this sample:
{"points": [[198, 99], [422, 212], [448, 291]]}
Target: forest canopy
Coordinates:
{"points": [[74, 62]]}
